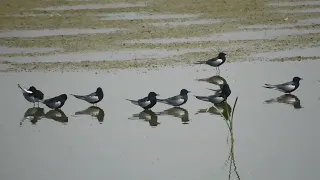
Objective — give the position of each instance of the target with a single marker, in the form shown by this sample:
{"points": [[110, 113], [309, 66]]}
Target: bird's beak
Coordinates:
{"points": [[157, 94], [189, 91]]}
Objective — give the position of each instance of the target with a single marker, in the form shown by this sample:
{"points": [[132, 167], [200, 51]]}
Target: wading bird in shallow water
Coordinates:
{"points": [[92, 98], [218, 97], [287, 87], [177, 100], [55, 102], [32, 94], [216, 61], [146, 102]]}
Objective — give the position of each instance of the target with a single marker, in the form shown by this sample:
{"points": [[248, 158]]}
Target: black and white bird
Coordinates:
{"points": [[177, 100], [216, 61], [56, 102], [218, 97], [289, 99], [287, 87], [32, 94], [146, 102], [92, 98]]}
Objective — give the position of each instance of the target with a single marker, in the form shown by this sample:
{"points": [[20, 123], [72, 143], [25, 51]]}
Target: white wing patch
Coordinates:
{"points": [[93, 98], [217, 62], [57, 104], [145, 103], [289, 87], [177, 102]]}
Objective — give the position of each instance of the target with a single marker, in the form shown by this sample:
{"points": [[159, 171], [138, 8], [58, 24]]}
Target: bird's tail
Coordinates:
{"points": [[133, 101], [162, 101], [270, 86], [203, 98], [200, 62], [273, 100], [215, 90], [77, 96], [202, 79]]}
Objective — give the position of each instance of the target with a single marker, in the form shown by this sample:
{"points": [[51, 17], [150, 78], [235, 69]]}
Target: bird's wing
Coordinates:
{"points": [[289, 86], [144, 102], [24, 90]]}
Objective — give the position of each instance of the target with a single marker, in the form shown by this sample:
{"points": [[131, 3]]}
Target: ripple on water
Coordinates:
{"points": [[230, 36], [105, 55], [310, 10], [92, 6], [20, 50], [305, 22], [295, 3], [143, 15], [304, 52], [55, 32], [186, 23]]}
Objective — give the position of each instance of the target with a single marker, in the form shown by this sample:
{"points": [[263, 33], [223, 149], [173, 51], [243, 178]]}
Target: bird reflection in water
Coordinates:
{"points": [[223, 109], [33, 114], [289, 99], [147, 115], [57, 115], [93, 111], [178, 112], [216, 80]]}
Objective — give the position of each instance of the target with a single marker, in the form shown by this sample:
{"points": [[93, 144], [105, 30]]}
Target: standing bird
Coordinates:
{"points": [[56, 102], [219, 97], [32, 94], [287, 87], [216, 61], [92, 98], [177, 100], [146, 102]]}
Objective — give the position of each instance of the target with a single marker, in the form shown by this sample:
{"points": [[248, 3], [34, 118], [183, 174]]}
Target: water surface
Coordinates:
{"points": [[271, 141]]}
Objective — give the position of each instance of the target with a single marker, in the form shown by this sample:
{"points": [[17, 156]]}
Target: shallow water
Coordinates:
{"points": [[143, 15], [133, 54], [186, 23], [14, 50], [296, 3], [295, 52], [310, 10], [304, 22], [55, 32], [231, 36], [271, 141], [91, 6]]}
